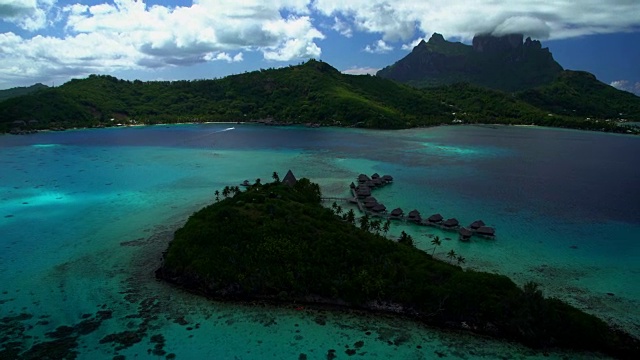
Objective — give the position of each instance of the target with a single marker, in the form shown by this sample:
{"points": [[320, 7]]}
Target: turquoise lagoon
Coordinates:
{"points": [[86, 214]]}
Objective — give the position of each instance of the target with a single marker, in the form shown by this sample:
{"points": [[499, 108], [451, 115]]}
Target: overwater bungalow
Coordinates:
{"points": [[379, 208], [352, 185], [375, 176], [396, 213], [370, 204], [414, 215], [363, 191], [370, 199], [486, 231], [450, 223], [245, 183], [465, 234], [369, 183], [435, 219], [476, 224], [377, 182], [387, 178], [362, 178]]}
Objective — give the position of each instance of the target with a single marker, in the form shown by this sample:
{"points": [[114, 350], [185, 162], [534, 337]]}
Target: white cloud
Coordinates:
{"points": [[411, 45], [223, 56], [342, 27], [360, 71], [29, 15], [627, 86], [128, 34], [557, 19], [379, 47]]}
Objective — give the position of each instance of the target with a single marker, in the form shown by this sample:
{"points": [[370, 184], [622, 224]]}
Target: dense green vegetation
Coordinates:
{"points": [[314, 92], [580, 94], [278, 243], [19, 91], [473, 104]]}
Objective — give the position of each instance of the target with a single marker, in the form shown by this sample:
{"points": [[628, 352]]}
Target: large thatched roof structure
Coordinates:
{"points": [[289, 179]]}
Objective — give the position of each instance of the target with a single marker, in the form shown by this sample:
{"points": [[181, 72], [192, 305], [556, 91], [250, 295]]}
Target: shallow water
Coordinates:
{"points": [[85, 215]]}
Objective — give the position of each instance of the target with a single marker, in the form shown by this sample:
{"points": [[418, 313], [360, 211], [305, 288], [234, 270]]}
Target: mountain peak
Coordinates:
{"points": [[436, 39], [505, 63]]}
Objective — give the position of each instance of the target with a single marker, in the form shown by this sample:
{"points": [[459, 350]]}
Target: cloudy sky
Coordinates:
{"points": [[52, 41]]}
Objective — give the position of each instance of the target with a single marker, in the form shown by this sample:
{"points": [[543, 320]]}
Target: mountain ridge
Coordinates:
{"points": [[508, 63]]}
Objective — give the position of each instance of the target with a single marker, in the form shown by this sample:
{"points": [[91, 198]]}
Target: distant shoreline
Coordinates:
{"points": [[310, 125]]}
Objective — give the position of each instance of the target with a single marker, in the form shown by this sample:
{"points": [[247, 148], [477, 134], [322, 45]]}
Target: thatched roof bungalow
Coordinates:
{"points": [[363, 191], [352, 185], [289, 179], [486, 231], [465, 234], [362, 178], [379, 208], [435, 218], [414, 215], [387, 178], [370, 204], [375, 176], [476, 224], [450, 223], [396, 213]]}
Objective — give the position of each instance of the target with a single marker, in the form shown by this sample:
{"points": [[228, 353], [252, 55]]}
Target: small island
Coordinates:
{"points": [[275, 242]]}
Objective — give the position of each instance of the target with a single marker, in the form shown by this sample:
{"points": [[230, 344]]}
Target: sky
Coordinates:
{"points": [[53, 41]]}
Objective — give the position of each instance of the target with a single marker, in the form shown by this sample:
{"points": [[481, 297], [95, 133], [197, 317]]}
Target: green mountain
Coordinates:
{"points": [[19, 91], [579, 93], [276, 242], [315, 92], [503, 63]]}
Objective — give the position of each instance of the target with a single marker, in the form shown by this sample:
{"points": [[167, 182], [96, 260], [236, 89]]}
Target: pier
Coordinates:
{"points": [[368, 205]]}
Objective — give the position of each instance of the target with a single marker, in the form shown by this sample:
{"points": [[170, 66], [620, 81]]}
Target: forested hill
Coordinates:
{"points": [[19, 91], [276, 241], [315, 92]]}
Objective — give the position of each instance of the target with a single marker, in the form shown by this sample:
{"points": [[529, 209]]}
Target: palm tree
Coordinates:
{"points": [[386, 227], [275, 177], [338, 210], [257, 182], [405, 239], [435, 242], [460, 259], [375, 226], [351, 216], [236, 189], [451, 254], [226, 191], [217, 193], [334, 206], [364, 222]]}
